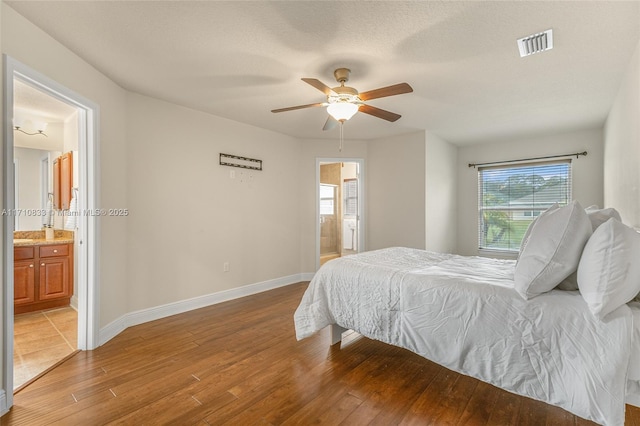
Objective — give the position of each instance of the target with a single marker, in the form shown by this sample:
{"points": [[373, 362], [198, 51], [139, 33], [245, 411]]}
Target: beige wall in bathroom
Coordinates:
{"points": [[331, 229]]}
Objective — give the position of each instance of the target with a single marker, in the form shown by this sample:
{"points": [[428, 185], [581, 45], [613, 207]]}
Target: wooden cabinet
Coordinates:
{"points": [[43, 277], [56, 184], [24, 282], [62, 181], [66, 179]]}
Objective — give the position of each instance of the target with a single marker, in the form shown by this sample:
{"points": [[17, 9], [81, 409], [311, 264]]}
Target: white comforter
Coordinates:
{"points": [[463, 313]]}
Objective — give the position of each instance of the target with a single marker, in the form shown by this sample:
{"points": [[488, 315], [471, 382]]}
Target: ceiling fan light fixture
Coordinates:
{"points": [[35, 128], [342, 111]]}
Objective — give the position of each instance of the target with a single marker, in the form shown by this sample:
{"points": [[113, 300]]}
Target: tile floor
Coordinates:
{"points": [[40, 340]]}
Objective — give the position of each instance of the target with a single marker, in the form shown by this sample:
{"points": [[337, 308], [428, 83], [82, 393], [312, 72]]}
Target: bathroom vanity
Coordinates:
{"points": [[43, 271]]}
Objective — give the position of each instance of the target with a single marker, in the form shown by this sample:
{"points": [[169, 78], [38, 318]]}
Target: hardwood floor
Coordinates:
{"points": [[238, 363]]}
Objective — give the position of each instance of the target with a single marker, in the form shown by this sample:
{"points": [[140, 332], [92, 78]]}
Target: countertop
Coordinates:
{"points": [[21, 242], [36, 238]]}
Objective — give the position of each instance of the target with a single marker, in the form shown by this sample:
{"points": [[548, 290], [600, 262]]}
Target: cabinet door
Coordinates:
{"points": [[54, 278], [56, 184], [66, 179], [24, 284]]}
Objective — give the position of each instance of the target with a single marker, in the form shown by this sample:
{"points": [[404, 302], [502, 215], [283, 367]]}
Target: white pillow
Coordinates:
{"points": [[553, 250], [527, 234], [609, 270], [599, 216]]}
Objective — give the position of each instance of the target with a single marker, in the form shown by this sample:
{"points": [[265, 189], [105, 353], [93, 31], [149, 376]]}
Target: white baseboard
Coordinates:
{"points": [[145, 315], [74, 302], [307, 276], [3, 403]]}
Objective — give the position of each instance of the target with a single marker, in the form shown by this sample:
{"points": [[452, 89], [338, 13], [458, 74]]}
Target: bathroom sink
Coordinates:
{"points": [[22, 240]]}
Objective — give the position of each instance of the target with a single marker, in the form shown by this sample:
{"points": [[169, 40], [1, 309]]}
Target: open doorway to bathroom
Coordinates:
{"points": [[58, 261], [339, 209], [45, 140]]}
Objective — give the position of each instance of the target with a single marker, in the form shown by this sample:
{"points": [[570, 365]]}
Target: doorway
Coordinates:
{"points": [[45, 326], [79, 136], [339, 213]]}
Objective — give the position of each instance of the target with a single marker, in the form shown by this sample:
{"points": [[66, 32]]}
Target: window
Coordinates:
{"points": [[327, 199], [511, 197]]}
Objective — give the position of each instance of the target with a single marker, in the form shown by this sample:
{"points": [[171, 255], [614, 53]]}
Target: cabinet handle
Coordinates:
{"points": [[55, 251], [31, 266], [42, 264]]}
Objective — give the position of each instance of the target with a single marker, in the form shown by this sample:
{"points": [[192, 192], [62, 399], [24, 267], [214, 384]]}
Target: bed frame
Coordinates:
{"points": [[336, 333]]}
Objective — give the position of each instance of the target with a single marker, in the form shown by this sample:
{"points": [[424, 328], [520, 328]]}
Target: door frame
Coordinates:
{"points": [[361, 195], [88, 225]]}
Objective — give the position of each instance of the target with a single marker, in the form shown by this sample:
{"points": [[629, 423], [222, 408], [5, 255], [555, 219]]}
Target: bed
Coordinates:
{"points": [[463, 313]]}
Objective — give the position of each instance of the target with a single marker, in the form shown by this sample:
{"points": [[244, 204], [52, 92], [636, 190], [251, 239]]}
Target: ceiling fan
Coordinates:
{"points": [[344, 101]]}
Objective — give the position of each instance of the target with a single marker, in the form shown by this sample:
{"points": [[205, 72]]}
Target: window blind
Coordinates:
{"points": [[350, 190], [511, 197]]}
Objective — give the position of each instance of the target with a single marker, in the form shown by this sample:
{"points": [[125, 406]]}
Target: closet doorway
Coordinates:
{"points": [[339, 208]]}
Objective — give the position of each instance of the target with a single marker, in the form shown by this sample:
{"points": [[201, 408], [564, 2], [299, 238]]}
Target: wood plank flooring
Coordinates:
{"points": [[238, 363]]}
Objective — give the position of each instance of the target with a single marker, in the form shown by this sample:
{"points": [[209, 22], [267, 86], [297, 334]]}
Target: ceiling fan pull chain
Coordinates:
{"points": [[341, 136]]}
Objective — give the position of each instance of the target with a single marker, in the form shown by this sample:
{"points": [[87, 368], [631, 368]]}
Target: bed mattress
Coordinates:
{"points": [[463, 313]]}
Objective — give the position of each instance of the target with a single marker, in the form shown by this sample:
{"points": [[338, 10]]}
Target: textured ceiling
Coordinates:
{"points": [[240, 60], [31, 105]]}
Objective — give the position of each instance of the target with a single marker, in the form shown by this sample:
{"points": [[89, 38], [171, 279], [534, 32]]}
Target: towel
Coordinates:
{"points": [[48, 218], [72, 218]]}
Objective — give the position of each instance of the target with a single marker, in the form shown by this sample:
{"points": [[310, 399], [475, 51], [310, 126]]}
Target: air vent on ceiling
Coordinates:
{"points": [[535, 43]]}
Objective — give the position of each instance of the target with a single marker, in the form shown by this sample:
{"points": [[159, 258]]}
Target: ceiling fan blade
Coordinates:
{"points": [[380, 113], [396, 89], [331, 123], [319, 85], [319, 104]]}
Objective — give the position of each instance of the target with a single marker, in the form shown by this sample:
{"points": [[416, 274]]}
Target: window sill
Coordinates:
{"points": [[498, 254]]}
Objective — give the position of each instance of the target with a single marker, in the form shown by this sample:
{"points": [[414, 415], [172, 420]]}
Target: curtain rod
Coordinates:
{"points": [[577, 154]]}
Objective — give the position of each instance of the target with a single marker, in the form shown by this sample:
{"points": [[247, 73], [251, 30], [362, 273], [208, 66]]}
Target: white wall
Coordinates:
{"points": [[29, 187], [70, 131], [441, 209], [587, 173], [622, 147], [71, 140], [188, 216], [396, 192]]}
